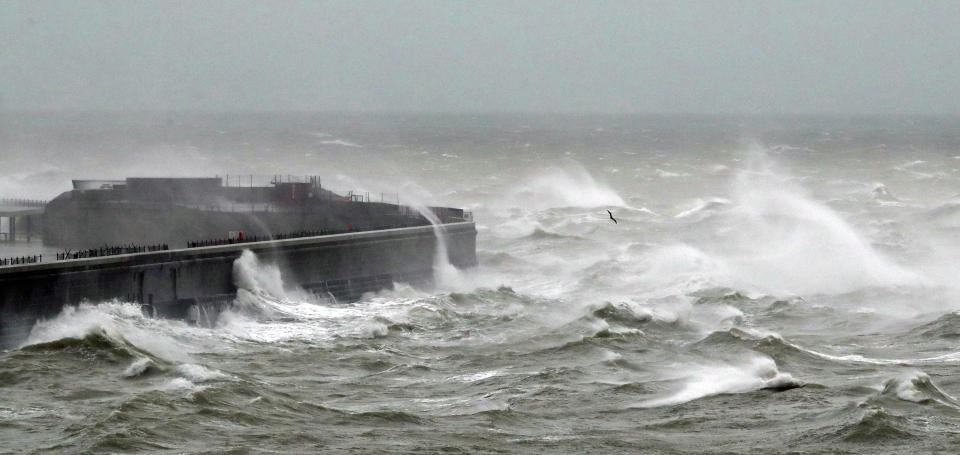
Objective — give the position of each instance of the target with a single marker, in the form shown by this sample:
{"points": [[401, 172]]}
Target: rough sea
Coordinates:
{"points": [[784, 285]]}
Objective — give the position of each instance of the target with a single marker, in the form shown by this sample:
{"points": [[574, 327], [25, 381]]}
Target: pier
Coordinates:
{"points": [[170, 244], [188, 282]]}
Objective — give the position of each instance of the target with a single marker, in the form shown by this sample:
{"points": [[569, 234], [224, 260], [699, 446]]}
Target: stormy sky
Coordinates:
{"points": [[842, 57]]}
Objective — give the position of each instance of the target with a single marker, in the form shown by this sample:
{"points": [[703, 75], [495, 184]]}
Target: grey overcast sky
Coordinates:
{"points": [[839, 56]]}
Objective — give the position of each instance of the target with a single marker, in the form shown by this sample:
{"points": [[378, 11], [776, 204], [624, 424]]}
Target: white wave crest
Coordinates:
{"points": [[340, 142], [704, 207], [120, 321], [138, 367], [758, 372], [917, 387]]}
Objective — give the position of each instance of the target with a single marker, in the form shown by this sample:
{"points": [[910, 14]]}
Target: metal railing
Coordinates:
{"points": [[21, 260], [110, 251], [299, 234], [320, 191], [132, 249], [22, 202]]}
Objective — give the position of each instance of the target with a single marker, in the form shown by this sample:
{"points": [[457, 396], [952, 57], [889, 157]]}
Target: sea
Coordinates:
{"points": [[785, 284]]}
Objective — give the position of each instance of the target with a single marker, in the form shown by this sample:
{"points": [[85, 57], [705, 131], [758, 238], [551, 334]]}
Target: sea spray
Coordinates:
{"points": [[251, 275], [262, 294], [566, 185], [783, 240], [443, 271]]}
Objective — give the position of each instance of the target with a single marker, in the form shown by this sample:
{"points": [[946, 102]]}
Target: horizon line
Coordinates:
{"points": [[347, 112]]}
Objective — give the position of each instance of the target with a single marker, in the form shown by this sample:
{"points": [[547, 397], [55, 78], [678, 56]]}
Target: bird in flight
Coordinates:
{"points": [[612, 218]]}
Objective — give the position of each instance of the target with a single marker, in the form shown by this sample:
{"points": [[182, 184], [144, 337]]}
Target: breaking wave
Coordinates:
{"points": [[117, 325], [699, 381], [918, 388]]}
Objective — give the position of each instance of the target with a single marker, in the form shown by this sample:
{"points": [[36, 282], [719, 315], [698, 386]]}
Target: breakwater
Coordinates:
{"points": [[185, 283]]}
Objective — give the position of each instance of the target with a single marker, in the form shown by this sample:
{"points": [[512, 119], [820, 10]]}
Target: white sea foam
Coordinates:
{"points": [[610, 356], [373, 329], [180, 384], [474, 377]]}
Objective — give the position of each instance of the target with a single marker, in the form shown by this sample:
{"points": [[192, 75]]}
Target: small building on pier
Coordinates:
{"points": [[20, 219]]}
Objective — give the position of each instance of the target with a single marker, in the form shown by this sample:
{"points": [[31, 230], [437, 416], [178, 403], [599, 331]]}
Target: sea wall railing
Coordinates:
{"points": [[131, 249], [318, 189], [298, 234], [110, 251], [19, 260], [22, 202]]}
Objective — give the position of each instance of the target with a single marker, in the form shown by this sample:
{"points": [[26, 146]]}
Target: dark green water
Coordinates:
{"points": [[772, 286]]}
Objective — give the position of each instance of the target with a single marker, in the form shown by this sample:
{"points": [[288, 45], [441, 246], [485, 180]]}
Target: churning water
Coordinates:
{"points": [[772, 286]]}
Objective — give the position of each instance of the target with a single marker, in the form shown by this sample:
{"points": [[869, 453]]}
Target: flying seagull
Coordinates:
{"points": [[612, 218]]}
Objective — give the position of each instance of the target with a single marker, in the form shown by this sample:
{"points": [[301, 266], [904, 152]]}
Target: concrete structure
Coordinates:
{"points": [[196, 283], [19, 215], [175, 211]]}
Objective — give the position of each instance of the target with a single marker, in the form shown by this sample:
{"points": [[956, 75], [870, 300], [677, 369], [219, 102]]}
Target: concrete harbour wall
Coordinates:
{"points": [[199, 281]]}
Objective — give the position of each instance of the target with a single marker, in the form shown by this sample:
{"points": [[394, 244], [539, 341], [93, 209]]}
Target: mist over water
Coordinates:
{"points": [[771, 286]]}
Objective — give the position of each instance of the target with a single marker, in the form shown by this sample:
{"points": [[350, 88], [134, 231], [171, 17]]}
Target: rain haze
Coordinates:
{"points": [[665, 227]]}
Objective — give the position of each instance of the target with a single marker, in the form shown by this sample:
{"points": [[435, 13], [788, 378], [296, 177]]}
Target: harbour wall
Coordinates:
{"points": [[72, 221], [196, 283]]}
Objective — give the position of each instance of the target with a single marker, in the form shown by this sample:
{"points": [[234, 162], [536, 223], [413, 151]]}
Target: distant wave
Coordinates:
{"points": [[339, 142], [946, 326], [776, 346], [704, 207], [668, 174], [542, 234]]}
